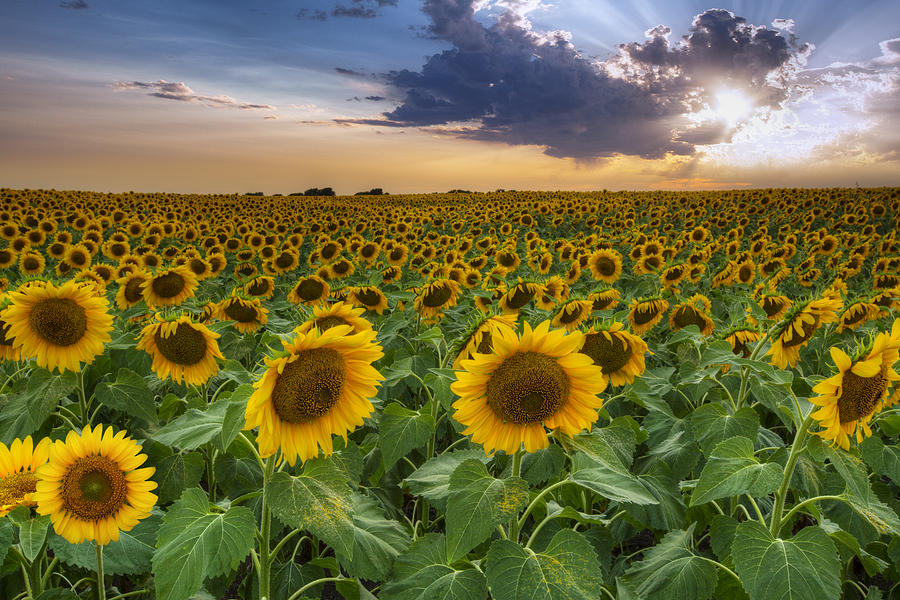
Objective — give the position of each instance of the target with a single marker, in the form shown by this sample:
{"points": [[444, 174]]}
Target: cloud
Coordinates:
{"points": [[505, 82], [181, 92], [357, 9], [376, 98], [349, 72], [312, 15], [74, 4]]}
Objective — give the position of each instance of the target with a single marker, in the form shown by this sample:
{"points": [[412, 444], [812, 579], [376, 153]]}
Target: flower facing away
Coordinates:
{"points": [[620, 354], [646, 313], [92, 486], [436, 296], [340, 313], [181, 349], [799, 327], [320, 389], [59, 326], [850, 398], [18, 462], [529, 382]]}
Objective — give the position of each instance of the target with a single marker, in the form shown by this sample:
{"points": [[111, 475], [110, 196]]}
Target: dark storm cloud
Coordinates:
{"points": [[357, 9], [74, 4], [349, 72], [505, 82], [375, 98], [176, 90]]}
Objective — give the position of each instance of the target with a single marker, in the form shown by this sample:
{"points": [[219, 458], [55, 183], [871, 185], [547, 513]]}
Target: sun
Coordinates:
{"points": [[732, 106]]}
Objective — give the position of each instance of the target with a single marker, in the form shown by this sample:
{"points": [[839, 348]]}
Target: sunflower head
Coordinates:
{"points": [[181, 349], [519, 296], [478, 337], [646, 312], [436, 296], [18, 463], [369, 297], [92, 486], [694, 311], [619, 353], [169, 287], [798, 328], [309, 291], [248, 314], [571, 314], [340, 313]]}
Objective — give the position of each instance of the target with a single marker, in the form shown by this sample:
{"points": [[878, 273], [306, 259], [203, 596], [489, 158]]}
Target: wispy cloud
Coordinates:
{"points": [[182, 93], [74, 4], [357, 9]]}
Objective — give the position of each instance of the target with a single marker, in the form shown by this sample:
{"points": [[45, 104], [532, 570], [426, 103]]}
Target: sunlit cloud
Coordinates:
{"points": [[179, 91]]}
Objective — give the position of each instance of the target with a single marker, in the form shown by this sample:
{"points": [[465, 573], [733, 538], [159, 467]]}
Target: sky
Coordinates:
{"points": [[221, 96]]}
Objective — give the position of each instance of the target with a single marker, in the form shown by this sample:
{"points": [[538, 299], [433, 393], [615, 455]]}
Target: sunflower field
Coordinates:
{"points": [[512, 395]]}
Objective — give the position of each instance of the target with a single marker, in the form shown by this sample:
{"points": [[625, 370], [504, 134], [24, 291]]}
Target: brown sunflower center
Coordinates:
{"points": [[168, 285], [31, 264], [260, 287], [570, 314], [133, 289], [310, 289], [772, 306], [240, 312], [185, 346], [745, 273], [341, 267], [528, 387], [520, 297], [605, 266], [859, 396], [601, 302], [94, 488], [644, 313], [506, 259], [330, 321], [309, 386], [801, 338], [60, 321], [610, 355], [328, 251], [688, 315], [396, 254], [368, 296], [368, 251], [14, 487], [284, 260], [437, 296], [855, 316], [78, 258]]}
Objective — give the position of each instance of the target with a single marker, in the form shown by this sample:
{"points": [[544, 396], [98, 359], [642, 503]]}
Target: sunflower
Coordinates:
{"points": [[572, 314], [7, 350], [604, 299], [775, 305], [169, 287], [434, 297], [606, 265], [528, 383], [856, 314], [740, 340], [339, 313], [18, 462], [369, 297], [31, 263], [619, 353], [479, 338], [392, 274], [849, 399], [309, 291], [694, 311], [518, 296], [131, 289], [181, 349], [260, 287], [322, 388], [92, 487], [59, 326], [645, 313], [672, 276], [248, 315], [798, 328]]}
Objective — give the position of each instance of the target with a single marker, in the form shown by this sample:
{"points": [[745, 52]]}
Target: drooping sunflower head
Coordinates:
{"points": [[337, 314], [742, 339], [694, 311], [181, 349], [798, 327], [528, 383], [92, 486], [673, 275], [320, 389], [645, 313], [519, 296], [434, 297], [61, 327], [168, 287], [262, 286], [18, 463], [479, 335], [248, 314], [619, 353], [369, 297], [572, 314], [775, 305], [309, 291], [604, 299], [861, 388], [857, 314]]}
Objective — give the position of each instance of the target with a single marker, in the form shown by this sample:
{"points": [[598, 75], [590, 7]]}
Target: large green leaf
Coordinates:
{"points": [[432, 480], [6, 538], [376, 541], [732, 469], [884, 460], [128, 394], [804, 567], [130, 555], [859, 493], [478, 503], [195, 543], [609, 478], [402, 430], [712, 424], [27, 409], [319, 501], [32, 531], [177, 472], [567, 570], [221, 422], [670, 569], [422, 573]]}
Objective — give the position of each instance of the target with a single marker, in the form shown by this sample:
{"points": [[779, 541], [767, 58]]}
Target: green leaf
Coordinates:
{"points": [[669, 512], [422, 573], [721, 535], [377, 541], [237, 476], [233, 419], [609, 479], [432, 480], [712, 424], [194, 428], [478, 503], [130, 555], [732, 469], [195, 544], [884, 460], [27, 410], [32, 533], [670, 569], [538, 467], [804, 567], [176, 473], [402, 430], [319, 501], [128, 394], [568, 569], [6, 538], [860, 496]]}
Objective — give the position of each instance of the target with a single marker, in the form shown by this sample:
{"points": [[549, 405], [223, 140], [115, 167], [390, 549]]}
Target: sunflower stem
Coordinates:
{"points": [[82, 400], [101, 580], [265, 556], [781, 494], [516, 471]]}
